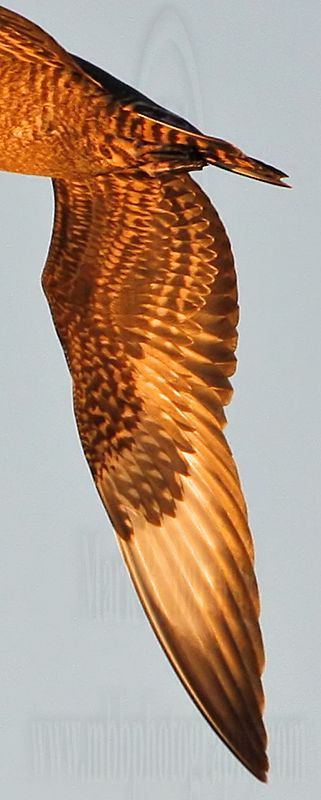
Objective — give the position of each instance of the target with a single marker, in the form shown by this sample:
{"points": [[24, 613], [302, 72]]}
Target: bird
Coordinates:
{"points": [[142, 288]]}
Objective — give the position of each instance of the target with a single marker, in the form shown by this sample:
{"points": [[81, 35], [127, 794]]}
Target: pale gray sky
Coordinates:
{"points": [[80, 668]]}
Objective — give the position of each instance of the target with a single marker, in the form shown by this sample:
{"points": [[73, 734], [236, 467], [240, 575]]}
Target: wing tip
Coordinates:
{"points": [[256, 763], [261, 776], [262, 773], [258, 767]]}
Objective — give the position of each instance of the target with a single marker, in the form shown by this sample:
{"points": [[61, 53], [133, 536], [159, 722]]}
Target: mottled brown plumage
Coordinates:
{"points": [[141, 283]]}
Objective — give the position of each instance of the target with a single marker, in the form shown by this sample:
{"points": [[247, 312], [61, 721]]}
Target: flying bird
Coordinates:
{"points": [[141, 284]]}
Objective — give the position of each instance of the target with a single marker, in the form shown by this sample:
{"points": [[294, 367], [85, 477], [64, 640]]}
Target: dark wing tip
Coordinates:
{"points": [[261, 776]]}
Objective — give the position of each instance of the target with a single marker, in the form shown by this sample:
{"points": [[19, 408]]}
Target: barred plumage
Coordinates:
{"points": [[141, 283]]}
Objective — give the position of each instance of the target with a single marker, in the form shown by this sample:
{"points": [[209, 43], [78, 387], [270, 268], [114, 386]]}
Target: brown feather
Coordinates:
{"points": [[141, 283], [150, 422]]}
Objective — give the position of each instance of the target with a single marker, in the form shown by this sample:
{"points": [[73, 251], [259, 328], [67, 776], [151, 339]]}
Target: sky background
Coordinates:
{"points": [[90, 707]]}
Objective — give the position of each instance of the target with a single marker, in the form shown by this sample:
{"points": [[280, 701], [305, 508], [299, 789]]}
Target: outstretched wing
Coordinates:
{"points": [[141, 282], [64, 117]]}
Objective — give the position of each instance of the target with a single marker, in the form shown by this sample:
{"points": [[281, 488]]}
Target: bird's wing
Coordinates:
{"points": [[141, 282], [135, 116], [109, 115], [138, 103]]}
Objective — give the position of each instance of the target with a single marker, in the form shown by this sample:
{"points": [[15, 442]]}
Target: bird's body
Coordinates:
{"points": [[141, 283]]}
